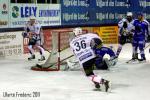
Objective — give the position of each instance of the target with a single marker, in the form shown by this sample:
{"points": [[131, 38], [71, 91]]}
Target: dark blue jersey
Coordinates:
{"points": [[100, 52], [141, 28]]}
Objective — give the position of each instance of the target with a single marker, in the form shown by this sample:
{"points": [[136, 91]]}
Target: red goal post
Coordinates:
{"points": [[60, 51]]}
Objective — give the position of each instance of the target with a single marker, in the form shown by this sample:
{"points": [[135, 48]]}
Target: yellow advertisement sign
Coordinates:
{"points": [[109, 34]]}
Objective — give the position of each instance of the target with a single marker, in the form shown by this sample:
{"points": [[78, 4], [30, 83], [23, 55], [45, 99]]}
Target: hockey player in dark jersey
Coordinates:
{"points": [[139, 37]]}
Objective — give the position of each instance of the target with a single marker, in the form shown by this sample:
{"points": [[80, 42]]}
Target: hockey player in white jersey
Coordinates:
{"points": [[125, 31], [33, 32], [81, 46]]}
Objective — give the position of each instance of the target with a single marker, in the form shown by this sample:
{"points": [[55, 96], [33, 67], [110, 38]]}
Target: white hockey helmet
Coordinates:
{"points": [[129, 14], [77, 31], [32, 17]]}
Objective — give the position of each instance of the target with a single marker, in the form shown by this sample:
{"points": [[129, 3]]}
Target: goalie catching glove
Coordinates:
{"points": [[24, 34], [113, 61]]}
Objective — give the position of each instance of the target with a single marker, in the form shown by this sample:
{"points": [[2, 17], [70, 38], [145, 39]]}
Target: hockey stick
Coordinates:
{"points": [[147, 46]]}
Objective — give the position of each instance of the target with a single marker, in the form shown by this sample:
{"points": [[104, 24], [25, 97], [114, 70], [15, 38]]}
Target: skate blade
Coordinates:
{"points": [[31, 59], [97, 89], [142, 61]]}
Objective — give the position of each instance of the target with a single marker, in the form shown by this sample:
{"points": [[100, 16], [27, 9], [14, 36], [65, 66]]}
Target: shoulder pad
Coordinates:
{"points": [[146, 22]]}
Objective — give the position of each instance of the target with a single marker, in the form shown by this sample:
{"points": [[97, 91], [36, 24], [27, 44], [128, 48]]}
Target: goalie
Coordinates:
{"points": [[82, 45], [101, 51], [33, 32]]}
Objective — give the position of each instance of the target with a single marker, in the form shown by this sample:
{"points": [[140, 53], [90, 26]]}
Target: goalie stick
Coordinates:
{"points": [[45, 49], [40, 66]]}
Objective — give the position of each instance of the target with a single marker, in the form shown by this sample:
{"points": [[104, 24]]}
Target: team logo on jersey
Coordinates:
{"points": [[15, 11]]}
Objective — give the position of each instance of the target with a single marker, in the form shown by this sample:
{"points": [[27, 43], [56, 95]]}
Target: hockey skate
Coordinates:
{"points": [[42, 58], [134, 59], [97, 85], [32, 57], [106, 84], [142, 60]]}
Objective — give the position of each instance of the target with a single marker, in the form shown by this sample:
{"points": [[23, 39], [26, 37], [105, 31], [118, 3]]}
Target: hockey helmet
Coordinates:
{"points": [[129, 14], [32, 17], [77, 31], [139, 14]]}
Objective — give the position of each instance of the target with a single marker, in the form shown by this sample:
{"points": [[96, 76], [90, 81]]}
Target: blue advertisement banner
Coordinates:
{"points": [[83, 12]]}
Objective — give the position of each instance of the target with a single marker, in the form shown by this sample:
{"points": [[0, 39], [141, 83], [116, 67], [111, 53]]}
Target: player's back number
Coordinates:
{"points": [[80, 45]]}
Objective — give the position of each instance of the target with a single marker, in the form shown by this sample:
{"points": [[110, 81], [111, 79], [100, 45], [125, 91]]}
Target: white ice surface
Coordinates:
{"points": [[129, 81]]}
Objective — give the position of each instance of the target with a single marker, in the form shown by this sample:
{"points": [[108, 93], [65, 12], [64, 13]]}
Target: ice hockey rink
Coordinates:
{"points": [[129, 81]]}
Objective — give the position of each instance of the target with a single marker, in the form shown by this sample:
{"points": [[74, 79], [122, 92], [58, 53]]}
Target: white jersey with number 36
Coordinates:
{"points": [[81, 47]]}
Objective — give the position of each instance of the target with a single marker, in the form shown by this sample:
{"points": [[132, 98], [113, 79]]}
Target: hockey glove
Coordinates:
{"points": [[113, 61], [125, 25], [148, 38], [24, 34], [28, 30]]}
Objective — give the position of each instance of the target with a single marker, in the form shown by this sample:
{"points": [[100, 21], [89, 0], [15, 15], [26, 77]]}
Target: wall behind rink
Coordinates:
{"points": [[85, 12], [109, 34], [11, 44], [13, 15], [70, 12]]}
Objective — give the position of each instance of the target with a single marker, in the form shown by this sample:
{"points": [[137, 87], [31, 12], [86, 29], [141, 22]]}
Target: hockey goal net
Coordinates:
{"points": [[60, 51]]}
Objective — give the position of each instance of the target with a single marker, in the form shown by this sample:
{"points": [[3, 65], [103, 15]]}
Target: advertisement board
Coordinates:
{"points": [[46, 14], [4, 18], [84, 12], [109, 34], [9, 45]]}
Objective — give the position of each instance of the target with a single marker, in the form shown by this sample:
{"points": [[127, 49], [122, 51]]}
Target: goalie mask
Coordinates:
{"points": [[32, 19], [96, 43], [77, 31]]}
